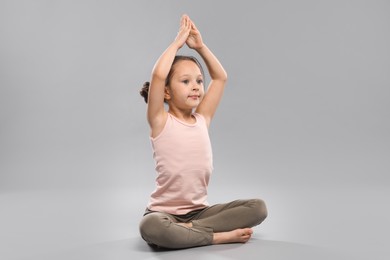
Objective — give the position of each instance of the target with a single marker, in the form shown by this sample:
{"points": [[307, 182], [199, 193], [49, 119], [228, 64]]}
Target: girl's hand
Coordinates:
{"points": [[194, 40], [184, 31]]}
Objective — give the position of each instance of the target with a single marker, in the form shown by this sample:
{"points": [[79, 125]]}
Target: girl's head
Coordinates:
{"points": [[184, 81]]}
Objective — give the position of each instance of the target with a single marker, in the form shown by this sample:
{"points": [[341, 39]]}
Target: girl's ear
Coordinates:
{"points": [[167, 95]]}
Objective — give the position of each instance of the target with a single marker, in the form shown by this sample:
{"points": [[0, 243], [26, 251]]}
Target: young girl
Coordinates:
{"points": [[178, 214]]}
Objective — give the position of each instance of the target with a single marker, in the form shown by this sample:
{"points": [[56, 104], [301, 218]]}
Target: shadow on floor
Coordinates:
{"points": [[137, 249]]}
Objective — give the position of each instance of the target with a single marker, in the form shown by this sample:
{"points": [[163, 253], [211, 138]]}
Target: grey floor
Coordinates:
{"points": [[304, 223]]}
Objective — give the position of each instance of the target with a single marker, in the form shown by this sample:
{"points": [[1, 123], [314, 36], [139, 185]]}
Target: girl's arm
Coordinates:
{"points": [[155, 109], [218, 75]]}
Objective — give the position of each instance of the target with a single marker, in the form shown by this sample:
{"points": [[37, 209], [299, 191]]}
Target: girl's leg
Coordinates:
{"points": [[162, 229], [237, 214], [222, 223]]}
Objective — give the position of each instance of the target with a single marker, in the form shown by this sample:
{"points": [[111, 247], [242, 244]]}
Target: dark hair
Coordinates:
{"points": [[145, 88], [145, 91]]}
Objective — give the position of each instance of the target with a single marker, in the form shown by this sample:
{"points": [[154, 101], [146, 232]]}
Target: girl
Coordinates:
{"points": [[178, 214]]}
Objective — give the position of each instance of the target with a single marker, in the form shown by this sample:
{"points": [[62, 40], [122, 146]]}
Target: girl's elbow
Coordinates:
{"points": [[223, 78], [158, 75]]}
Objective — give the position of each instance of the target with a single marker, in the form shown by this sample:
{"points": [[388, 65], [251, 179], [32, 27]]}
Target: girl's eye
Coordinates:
{"points": [[199, 81], [186, 81]]}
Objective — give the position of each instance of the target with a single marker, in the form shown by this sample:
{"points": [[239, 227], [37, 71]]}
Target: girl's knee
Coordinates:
{"points": [[260, 209], [152, 226]]}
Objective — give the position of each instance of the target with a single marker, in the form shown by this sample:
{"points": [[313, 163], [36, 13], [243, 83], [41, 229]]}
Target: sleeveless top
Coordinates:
{"points": [[184, 163]]}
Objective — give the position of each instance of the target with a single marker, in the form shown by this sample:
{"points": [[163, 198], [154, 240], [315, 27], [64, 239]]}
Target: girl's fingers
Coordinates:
{"points": [[188, 23], [184, 24], [194, 27], [185, 21]]}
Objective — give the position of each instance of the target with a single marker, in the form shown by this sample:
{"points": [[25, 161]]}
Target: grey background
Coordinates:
{"points": [[304, 122]]}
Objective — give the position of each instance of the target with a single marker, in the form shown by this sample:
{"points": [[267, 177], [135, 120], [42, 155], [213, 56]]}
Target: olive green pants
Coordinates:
{"points": [[161, 229]]}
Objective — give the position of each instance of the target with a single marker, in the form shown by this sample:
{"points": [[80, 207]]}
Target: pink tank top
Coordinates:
{"points": [[184, 162]]}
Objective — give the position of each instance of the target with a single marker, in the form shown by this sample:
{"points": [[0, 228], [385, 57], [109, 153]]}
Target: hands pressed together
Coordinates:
{"points": [[188, 34]]}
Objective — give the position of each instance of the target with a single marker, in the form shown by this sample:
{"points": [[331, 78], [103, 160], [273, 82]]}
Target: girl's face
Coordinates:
{"points": [[186, 88]]}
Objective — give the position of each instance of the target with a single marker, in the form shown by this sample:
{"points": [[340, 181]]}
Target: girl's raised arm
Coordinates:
{"points": [[155, 109], [218, 75]]}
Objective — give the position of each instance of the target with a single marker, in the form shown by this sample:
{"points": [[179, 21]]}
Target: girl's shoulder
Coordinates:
{"points": [[203, 118]]}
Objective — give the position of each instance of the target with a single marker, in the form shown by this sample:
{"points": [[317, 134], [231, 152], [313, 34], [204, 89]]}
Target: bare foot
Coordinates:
{"points": [[234, 236], [189, 225]]}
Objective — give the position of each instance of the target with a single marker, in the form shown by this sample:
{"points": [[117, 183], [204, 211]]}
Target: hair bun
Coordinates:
{"points": [[144, 92]]}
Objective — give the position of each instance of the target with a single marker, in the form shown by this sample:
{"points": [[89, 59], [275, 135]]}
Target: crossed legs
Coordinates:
{"points": [[221, 223]]}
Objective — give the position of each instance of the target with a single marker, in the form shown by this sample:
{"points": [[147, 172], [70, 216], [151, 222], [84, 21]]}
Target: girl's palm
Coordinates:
{"points": [[185, 28], [194, 40]]}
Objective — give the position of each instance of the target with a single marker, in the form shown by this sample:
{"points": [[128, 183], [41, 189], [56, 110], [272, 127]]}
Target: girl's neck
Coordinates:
{"points": [[185, 116]]}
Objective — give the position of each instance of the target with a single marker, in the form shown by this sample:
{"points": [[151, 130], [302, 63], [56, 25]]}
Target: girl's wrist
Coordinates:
{"points": [[175, 45], [201, 48]]}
